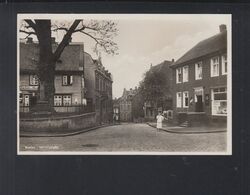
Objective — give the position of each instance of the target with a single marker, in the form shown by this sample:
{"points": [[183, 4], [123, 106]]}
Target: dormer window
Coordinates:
{"points": [[67, 80]]}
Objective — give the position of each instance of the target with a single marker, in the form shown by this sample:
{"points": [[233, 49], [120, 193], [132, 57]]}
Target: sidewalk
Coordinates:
{"points": [[61, 133], [189, 130]]}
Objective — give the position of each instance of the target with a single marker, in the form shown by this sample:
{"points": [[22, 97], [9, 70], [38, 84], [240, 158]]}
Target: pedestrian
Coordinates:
{"points": [[159, 119]]}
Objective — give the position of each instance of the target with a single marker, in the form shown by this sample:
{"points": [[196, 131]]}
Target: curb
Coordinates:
{"points": [[188, 132], [76, 132]]}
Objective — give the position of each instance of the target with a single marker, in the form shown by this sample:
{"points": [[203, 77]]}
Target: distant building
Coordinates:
{"points": [[69, 77], [125, 102], [150, 107], [98, 88], [116, 110], [200, 81]]}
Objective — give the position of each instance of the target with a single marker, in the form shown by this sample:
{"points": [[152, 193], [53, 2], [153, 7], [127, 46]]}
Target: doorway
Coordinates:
{"points": [[199, 104]]}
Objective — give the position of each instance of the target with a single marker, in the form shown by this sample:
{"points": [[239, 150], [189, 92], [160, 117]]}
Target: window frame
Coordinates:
{"points": [[183, 97], [178, 100], [224, 64], [178, 71], [196, 71], [30, 79], [213, 100], [185, 73], [69, 80], [62, 100], [212, 65]]}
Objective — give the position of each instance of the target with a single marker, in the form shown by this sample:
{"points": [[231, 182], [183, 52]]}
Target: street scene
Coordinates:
{"points": [[129, 137], [124, 83]]}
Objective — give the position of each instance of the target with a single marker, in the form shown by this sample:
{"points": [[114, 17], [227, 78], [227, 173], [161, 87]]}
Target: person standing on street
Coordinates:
{"points": [[159, 119]]}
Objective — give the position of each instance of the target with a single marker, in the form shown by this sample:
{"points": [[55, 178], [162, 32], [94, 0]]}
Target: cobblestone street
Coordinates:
{"points": [[128, 137]]}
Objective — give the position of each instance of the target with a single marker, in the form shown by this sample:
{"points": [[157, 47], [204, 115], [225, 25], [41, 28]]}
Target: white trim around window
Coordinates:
{"points": [[178, 99], [198, 71], [185, 99], [214, 67], [224, 64], [178, 75], [185, 74]]}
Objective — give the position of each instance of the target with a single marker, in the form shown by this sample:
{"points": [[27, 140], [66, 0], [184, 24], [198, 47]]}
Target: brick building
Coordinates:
{"points": [[125, 102], [200, 82], [69, 77], [98, 88]]}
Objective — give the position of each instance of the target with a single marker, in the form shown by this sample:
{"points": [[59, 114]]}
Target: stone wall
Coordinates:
{"points": [[58, 124]]}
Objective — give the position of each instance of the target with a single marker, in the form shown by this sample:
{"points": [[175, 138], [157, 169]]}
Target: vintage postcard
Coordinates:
{"points": [[116, 84]]}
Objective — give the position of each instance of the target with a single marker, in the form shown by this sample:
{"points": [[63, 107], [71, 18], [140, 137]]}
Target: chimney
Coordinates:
{"points": [[173, 60], [29, 40], [223, 28], [53, 40]]}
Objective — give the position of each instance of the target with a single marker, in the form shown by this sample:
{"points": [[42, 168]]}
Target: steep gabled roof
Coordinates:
{"points": [[71, 58], [208, 46]]}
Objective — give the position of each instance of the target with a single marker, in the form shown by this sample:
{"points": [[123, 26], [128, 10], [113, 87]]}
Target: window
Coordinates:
{"points": [[219, 101], [62, 100], [215, 67], [198, 71], [224, 64], [66, 100], [185, 99], [185, 74], [57, 100], [178, 99], [178, 75], [34, 80], [67, 80]]}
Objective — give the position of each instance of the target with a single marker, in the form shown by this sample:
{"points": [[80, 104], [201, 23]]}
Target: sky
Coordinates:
{"points": [[145, 39]]}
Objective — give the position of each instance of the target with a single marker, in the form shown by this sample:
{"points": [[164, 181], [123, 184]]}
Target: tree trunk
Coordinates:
{"points": [[46, 66]]}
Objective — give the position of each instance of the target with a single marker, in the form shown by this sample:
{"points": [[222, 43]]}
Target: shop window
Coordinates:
{"points": [[34, 80], [219, 101], [185, 74], [67, 80], [178, 75], [214, 67], [185, 99], [198, 71], [224, 64], [178, 99]]}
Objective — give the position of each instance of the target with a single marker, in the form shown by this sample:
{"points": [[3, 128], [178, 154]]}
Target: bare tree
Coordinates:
{"points": [[102, 32]]}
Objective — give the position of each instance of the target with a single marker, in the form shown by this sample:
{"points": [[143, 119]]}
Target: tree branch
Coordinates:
{"points": [[31, 24], [65, 40]]}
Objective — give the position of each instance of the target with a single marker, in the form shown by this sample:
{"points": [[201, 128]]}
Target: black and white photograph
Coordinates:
{"points": [[124, 84]]}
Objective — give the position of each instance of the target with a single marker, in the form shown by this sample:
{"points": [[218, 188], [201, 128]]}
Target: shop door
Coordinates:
{"points": [[199, 104]]}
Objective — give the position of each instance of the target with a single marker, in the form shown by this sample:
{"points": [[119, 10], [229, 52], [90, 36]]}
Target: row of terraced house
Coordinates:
{"points": [[82, 84], [198, 85]]}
